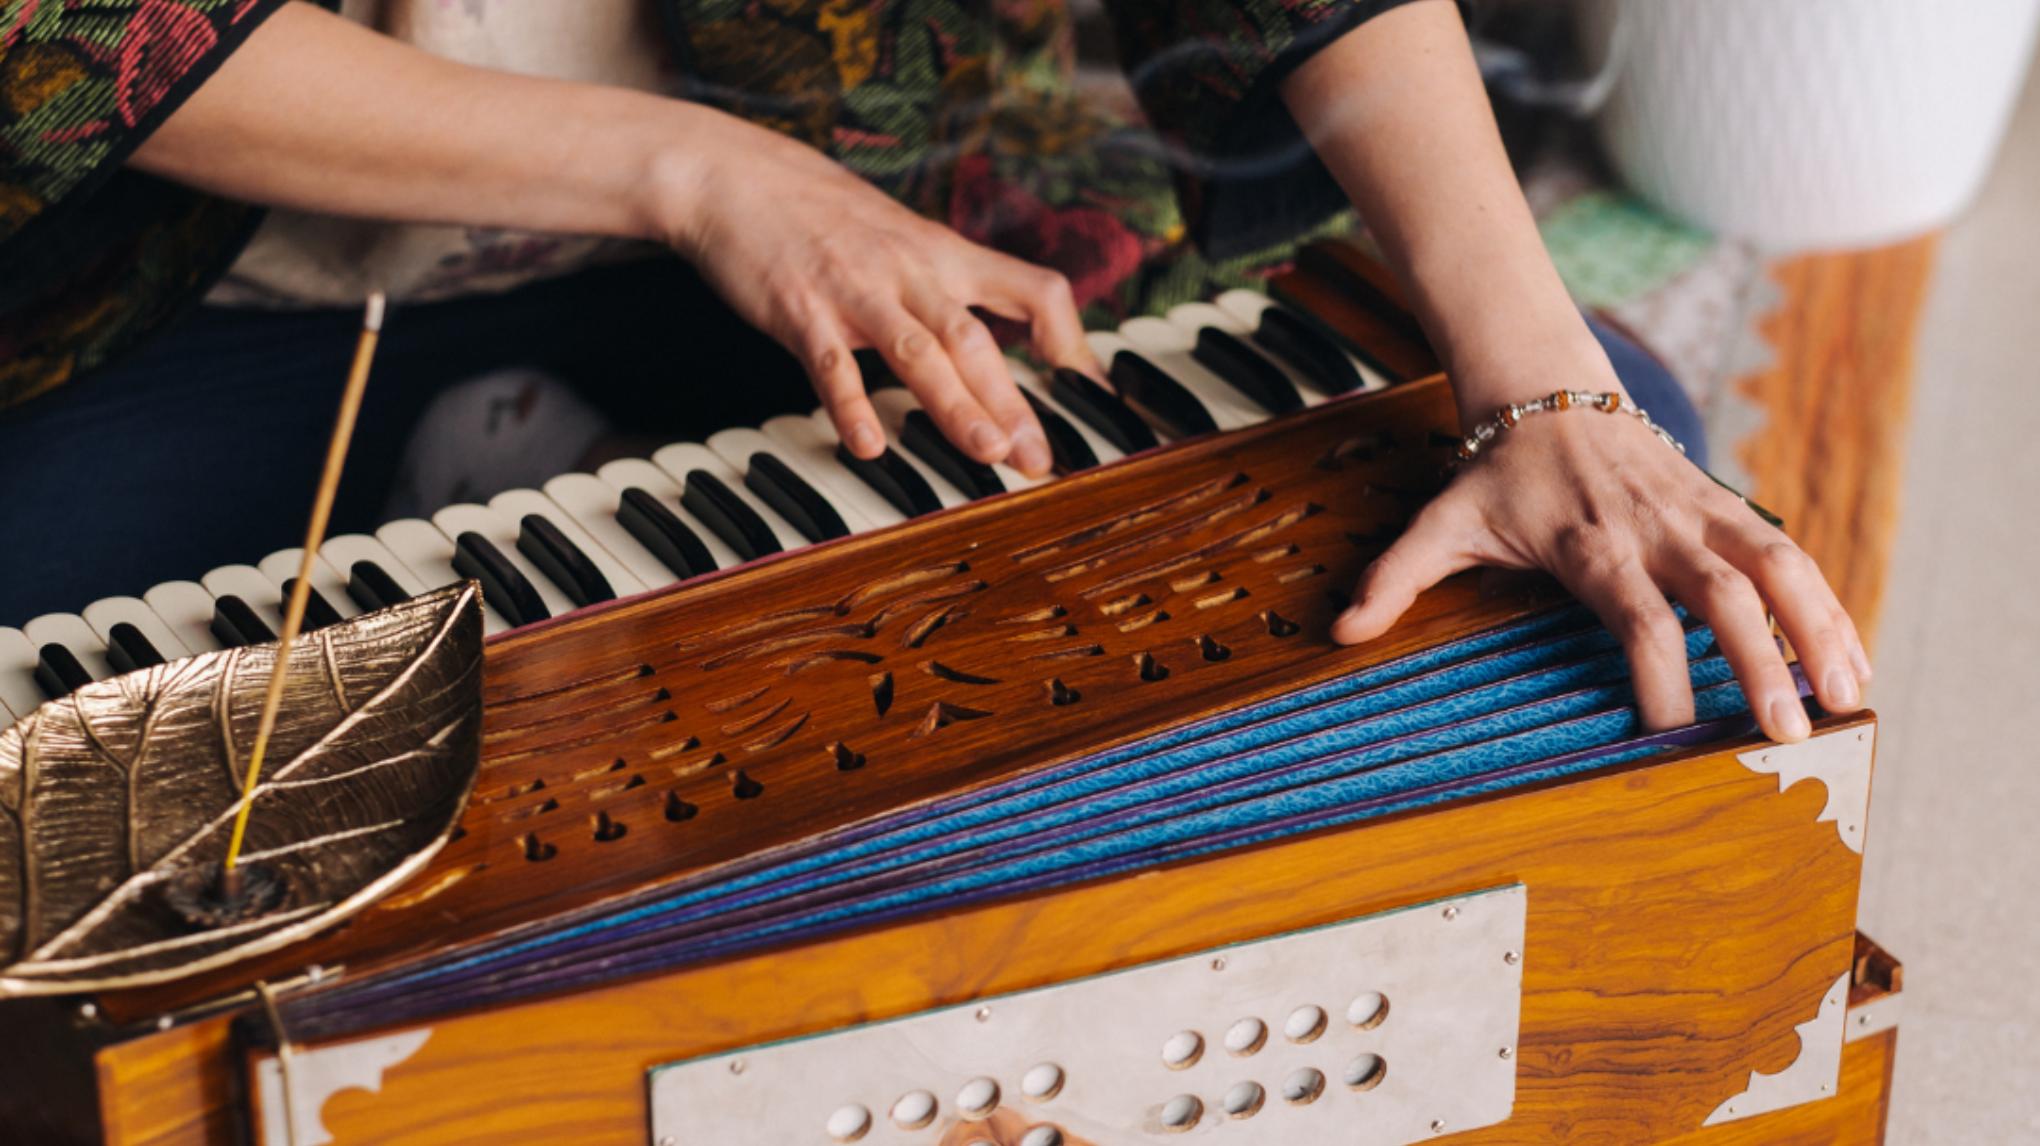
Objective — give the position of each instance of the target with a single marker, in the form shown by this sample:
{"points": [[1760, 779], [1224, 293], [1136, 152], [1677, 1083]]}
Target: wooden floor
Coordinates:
{"points": [[1836, 400]]}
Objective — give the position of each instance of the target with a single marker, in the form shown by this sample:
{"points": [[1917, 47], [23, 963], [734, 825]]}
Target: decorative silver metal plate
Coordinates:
{"points": [[1388, 1029]]}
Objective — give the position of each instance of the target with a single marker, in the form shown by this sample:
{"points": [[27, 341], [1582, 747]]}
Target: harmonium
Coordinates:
{"points": [[747, 794]]}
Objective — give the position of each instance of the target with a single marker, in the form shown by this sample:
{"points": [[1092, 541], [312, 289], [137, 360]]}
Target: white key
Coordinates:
{"points": [[104, 615], [250, 585], [501, 532], [1036, 385], [344, 551], [71, 631], [680, 458], [283, 564], [798, 440], [593, 503], [637, 473], [1247, 305], [187, 609], [1192, 317], [736, 446], [945, 493], [516, 504], [1167, 346], [428, 554], [19, 694], [893, 404]]}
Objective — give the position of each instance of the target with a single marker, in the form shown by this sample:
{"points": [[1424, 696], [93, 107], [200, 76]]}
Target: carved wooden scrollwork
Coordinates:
{"points": [[665, 735]]}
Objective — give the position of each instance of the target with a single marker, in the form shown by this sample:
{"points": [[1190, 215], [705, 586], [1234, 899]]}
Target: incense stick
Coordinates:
{"points": [[300, 590]]}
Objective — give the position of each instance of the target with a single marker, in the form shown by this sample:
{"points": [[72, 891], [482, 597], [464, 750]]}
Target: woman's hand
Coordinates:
{"points": [[321, 114], [1623, 520], [826, 264], [1003, 1128]]}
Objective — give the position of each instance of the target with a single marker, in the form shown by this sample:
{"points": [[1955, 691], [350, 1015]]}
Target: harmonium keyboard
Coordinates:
{"points": [[913, 802]]}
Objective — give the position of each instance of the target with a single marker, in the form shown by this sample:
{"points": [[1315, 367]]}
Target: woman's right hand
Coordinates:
{"points": [[826, 264]]}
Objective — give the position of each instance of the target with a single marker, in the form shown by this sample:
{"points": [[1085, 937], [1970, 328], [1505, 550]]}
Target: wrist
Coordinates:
{"points": [[676, 167], [1525, 368]]}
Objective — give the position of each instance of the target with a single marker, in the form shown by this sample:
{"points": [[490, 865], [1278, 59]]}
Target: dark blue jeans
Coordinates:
{"points": [[201, 449]]}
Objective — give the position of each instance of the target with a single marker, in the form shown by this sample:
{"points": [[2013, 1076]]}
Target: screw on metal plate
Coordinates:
{"points": [[736, 1066], [1218, 964], [88, 1012], [1512, 957], [1451, 913], [1437, 1126], [984, 1014], [669, 1140], [1507, 1052]]}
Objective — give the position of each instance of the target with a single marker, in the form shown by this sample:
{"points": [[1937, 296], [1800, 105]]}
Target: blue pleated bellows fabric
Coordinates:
{"points": [[1537, 699]]}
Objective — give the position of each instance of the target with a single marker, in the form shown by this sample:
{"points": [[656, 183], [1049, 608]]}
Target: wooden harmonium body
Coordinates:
{"points": [[1056, 818]]}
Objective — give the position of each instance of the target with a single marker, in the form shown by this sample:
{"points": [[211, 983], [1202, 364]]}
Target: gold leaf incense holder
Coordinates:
{"points": [[117, 801]]}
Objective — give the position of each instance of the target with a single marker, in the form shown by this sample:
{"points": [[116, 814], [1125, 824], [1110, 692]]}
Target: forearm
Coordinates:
{"points": [[320, 114], [1397, 111]]}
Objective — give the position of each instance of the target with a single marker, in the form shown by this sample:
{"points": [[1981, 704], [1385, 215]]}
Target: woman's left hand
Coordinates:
{"points": [[1622, 521]]}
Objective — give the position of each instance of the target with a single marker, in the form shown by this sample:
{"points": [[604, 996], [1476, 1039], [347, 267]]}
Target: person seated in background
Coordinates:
{"points": [[911, 178]]}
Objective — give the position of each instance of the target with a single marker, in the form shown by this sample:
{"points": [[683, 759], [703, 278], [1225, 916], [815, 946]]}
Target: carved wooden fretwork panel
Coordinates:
{"points": [[656, 737]]}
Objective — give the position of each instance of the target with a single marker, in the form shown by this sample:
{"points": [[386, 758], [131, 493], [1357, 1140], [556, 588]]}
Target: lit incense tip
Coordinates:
{"points": [[372, 321]]}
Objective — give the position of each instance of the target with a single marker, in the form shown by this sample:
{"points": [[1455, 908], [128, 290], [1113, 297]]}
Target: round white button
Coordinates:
{"points": [[1181, 1112], [1244, 1099], [1042, 1082], [1182, 1050], [1302, 1087], [1304, 1024], [1367, 1010], [978, 1098], [1365, 1072], [1246, 1036], [849, 1123], [914, 1110]]}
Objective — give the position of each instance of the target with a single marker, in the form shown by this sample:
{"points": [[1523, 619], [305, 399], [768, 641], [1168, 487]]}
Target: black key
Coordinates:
{"points": [[559, 558], [976, 479], [796, 500], [1101, 410], [58, 672], [1158, 397], [719, 508], [1261, 381], [236, 625], [505, 588], [1068, 447], [1297, 342], [319, 612], [1318, 261], [896, 481], [372, 587], [129, 650], [661, 531]]}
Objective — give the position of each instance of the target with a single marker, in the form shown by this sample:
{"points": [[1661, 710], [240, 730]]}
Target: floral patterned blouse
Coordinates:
{"points": [[964, 110]]}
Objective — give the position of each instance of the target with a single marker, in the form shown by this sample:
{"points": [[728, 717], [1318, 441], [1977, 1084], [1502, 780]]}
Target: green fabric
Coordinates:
{"points": [[1611, 248]]}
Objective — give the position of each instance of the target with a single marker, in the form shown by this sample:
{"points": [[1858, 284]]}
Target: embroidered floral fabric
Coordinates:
{"points": [[965, 110]]}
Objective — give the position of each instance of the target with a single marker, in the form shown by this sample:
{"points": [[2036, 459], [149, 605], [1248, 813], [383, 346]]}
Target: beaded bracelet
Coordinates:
{"points": [[1508, 416]]}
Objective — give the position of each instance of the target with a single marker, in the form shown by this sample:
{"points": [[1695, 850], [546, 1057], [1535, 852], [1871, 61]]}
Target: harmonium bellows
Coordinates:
{"points": [[1055, 817]]}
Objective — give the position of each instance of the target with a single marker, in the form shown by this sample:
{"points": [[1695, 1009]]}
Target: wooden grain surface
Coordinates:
{"points": [[1684, 916], [1856, 1116], [1829, 457], [636, 744]]}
